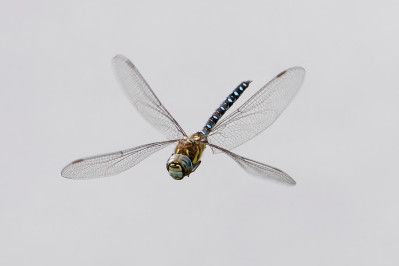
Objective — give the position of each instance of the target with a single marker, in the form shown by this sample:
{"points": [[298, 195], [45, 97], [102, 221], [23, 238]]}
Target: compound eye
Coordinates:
{"points": [[175, 171]]}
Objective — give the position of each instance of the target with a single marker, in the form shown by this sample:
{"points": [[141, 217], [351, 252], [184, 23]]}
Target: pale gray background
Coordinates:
{"points": [[338, 138]]}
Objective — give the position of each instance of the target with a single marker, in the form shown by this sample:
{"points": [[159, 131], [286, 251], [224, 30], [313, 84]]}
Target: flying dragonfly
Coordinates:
{"points": [[221, 135]]}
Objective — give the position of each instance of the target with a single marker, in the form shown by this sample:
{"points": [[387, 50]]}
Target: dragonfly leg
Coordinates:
{"points": [[195, 166]]}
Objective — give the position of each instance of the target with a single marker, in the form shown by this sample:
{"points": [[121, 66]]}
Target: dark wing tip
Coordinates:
{"points": [[281, 74], [66, 171], [292, 69], [118, 59]]}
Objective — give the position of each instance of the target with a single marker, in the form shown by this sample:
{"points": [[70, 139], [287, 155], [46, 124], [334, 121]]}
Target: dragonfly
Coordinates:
{"points": [[220, 134]]}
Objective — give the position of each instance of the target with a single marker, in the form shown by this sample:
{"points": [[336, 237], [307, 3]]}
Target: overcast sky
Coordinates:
{"points": [[338, 139]]}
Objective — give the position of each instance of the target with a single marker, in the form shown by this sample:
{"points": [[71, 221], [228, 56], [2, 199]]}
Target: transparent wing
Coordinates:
{"points": [[144, 99], [111, 163], [256, 168], [259, 112]]}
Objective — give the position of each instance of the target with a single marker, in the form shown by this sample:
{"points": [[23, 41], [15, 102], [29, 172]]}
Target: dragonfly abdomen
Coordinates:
{"points": [[230, 100]]}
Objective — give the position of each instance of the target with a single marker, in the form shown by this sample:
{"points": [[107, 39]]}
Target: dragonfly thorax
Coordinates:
{"points": [[179, 166], [187, 156]]}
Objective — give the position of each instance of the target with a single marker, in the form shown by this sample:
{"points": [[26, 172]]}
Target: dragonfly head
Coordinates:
{"points": [[179, 166]]}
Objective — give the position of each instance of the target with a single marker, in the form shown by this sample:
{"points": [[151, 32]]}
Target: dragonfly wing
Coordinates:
{"points": [[258, 112], [111, 163], [257, 168], [144, 99]]}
